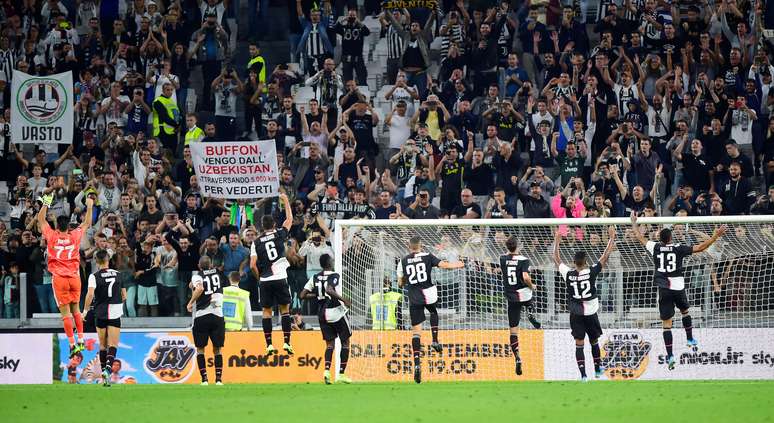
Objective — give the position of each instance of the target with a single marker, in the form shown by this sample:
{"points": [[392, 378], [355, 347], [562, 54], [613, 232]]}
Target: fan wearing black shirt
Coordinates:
{"points": [[416, 270], [352, 32], [517, 288], [582, 301], [450, 169], [668, 276], [108, 295]]}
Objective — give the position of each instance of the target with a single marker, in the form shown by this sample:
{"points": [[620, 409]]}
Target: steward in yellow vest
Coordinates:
{"points": [[258, 64], [166, 118], [236, 305], [386, 308], [193, 132]]}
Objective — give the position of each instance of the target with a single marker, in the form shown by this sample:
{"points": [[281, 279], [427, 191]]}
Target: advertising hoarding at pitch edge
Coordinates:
{"points": [[640, 354], [466, 355], [25, 358], [170, 357]]}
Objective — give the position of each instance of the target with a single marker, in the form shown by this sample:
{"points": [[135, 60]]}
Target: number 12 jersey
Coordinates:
{"points": [[581, 289]]}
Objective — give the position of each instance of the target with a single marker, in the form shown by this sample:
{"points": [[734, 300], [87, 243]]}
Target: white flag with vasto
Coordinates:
{"points": [[42, 108], [236, 170]]}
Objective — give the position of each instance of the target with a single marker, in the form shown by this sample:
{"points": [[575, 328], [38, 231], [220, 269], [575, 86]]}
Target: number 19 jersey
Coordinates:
{"points": [[417, 269], [668, 260], [211, 300], [269, 248]]}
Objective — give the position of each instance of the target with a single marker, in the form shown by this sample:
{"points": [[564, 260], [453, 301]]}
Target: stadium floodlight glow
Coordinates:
{"points": [[731, 285]]}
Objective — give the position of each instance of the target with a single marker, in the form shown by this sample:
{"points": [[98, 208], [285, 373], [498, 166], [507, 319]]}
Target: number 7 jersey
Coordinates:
{"points": [[63, 251], [269, 248]]}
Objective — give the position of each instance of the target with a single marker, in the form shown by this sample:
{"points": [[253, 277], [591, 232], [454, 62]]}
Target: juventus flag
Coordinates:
{"points": [[42, 108]]}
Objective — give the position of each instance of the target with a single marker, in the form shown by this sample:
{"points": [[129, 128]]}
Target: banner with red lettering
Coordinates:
{"points": [[236, 170]]}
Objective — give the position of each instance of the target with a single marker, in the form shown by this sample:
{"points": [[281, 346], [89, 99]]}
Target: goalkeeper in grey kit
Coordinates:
{"points": [[416, 269]]}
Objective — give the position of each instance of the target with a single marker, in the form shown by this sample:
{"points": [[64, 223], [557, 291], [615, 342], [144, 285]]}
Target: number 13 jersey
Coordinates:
{"points": [[270, 250], [417, 269], [668, 259]]}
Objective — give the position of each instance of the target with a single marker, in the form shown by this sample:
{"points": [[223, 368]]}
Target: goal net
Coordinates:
{"points": [[728, 286]]}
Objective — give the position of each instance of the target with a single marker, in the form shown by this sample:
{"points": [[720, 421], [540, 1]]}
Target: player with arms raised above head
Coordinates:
{"points": [[582, 301], [108, 295], [517, 288], [63, 247], [668, 260], [415, 269], [208, 323], [268, 254], [325, 287]]}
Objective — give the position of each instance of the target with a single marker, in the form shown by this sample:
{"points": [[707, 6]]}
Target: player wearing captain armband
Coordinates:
{"points": [[415, 269], [63, 245], [668, 276], [582, 301], [517, 288]]}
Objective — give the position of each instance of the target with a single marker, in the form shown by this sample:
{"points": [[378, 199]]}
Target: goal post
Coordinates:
{"points": [[730, 286]]}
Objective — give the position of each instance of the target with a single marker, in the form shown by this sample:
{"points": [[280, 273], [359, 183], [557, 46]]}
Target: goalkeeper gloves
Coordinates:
{"points": [[47, 199]]}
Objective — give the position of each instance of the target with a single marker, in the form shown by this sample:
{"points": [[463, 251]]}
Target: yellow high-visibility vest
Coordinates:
{"points": [[236, 303], [384, 310], [172, 111], [194, 134], [262, 73]]}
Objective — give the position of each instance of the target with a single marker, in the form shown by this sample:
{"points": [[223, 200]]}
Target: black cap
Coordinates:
{"points": [[534, 184]]}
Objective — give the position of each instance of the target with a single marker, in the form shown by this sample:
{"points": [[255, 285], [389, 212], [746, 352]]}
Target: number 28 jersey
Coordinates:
{"points": [[581, 289], [211, 300], [269, 248], [417, 269], [668, 260]]}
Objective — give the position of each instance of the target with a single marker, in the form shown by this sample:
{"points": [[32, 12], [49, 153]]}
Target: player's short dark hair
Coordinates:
{"points": [[415, 241], [205, 263], [233, 277], [326, 261], [512, 243], [101, 256], [267, 222], [580, 258], [665, 235], [62, 223]]}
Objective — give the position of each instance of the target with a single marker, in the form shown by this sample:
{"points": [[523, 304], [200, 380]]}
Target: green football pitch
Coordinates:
{"points": [[634, 401]]}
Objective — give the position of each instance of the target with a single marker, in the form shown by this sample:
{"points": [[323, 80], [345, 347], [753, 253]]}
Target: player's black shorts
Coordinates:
{"points": [[275, 292], [210, 327], [417, 312], [514, 312], [585, 325], [89, 325], [668, 299], [338, 328], [103, 323]]}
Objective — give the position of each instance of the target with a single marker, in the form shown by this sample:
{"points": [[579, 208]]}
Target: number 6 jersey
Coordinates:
{"points": [[417, 269], [581, 289], [269, 248], [668, 259]]}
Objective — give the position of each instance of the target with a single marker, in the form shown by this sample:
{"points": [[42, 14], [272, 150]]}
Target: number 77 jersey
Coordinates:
{"points": [[668, 259], [63, 251]]}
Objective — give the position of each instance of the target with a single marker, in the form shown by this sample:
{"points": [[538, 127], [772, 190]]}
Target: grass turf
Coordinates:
{"points": [[634, 401]]}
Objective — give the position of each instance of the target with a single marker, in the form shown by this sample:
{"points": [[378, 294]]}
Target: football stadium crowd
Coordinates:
{"points": [[454, 109]]}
